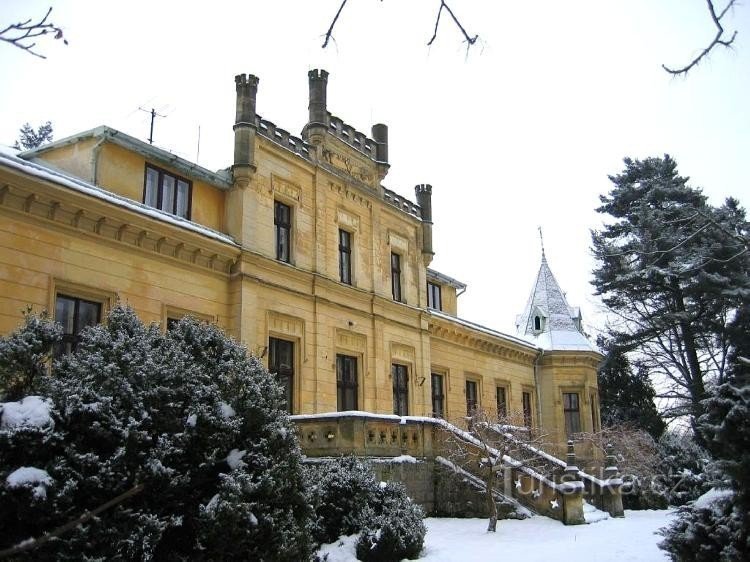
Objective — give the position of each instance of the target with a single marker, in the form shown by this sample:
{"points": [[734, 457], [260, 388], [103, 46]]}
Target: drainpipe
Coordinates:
{"points": [[95, 152], [538, 386]]}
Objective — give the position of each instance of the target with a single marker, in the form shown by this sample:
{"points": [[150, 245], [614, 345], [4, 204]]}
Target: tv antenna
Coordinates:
{"points": [[154, 115]]}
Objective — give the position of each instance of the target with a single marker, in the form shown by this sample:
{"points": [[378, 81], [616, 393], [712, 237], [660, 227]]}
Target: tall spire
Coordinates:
{"points": [[548, 320], [541, 241]]}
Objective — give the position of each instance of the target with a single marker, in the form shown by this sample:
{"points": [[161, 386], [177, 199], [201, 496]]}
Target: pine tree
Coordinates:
{"points": [[191, 417], [673, 270], [626, 396], [29, 138]]}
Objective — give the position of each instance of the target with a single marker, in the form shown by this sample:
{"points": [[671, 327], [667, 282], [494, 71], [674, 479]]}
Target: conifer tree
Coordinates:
{"points": [[188, 416], [626, 396], [30, 138], [672, 270]]}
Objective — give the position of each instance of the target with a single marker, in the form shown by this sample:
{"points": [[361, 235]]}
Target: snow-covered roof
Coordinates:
{"points": [[483, 329], [433, 275], [10, 158], [221, 179], [560, 328]]}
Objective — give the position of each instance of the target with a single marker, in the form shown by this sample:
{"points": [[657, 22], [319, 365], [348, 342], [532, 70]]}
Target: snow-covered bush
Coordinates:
{"points": [[716, 527], [348, 500], [190, 416], [683, 467], [24, 355], [393, 527], [340, 490]]}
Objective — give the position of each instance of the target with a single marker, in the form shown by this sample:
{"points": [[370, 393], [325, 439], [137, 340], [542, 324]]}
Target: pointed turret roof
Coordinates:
{"points": [[548, 320]]}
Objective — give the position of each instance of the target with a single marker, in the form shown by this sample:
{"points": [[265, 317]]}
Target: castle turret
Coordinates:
{"points": [[244, 125], [424, 199]]}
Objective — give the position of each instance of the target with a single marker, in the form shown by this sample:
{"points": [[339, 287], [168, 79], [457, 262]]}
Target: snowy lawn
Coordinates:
{"points": [[535, 539]]}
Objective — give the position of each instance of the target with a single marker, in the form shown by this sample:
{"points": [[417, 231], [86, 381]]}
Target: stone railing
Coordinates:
{"points": [[402, 203], [282, 137], [434, 440], [341, 130]]}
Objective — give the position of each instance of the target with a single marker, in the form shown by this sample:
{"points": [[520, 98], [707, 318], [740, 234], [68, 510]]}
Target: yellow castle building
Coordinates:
{"points": [[299, 251]]}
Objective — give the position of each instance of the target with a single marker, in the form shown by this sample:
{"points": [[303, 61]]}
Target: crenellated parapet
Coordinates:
{"points": [[283, 137], [356, 139], [402, 203]]}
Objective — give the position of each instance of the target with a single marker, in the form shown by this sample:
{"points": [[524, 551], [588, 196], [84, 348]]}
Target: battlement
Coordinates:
{"points": [[282, 137], [402, 203], [357, 140]]}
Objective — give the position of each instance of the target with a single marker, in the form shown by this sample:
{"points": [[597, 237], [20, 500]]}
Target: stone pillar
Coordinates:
{"points": [[380, 136], [318, 83], [244, 124], [612, 488], [572, 490], [424, 200]]}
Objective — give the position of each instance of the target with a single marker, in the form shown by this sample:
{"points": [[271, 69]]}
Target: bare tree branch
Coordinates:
{"points": [[22, 34], [32, 543], [467, 38], [719, 39]]}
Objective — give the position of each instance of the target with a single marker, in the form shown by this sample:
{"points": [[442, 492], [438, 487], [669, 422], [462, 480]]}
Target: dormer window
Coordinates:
{"points": [[434, 299], [167, 192], [538, 323], [538, 320]]}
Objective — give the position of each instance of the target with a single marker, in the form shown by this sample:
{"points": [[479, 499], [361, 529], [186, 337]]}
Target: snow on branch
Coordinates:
{"points": [[24, 33], [719, 39]]}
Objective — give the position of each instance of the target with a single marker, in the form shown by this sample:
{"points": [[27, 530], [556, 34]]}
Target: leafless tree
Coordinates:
{"points": [[491, 447], [468, 38], [719, 40], [25, 33]]}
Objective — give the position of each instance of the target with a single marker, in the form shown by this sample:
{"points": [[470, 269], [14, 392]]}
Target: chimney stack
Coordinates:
{"points": [[424, 199], [380, 136], [318, 82], [244, 125]]}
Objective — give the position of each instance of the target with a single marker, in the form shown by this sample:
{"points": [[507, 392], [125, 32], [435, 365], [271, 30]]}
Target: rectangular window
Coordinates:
{"points": [[281, 364], [433, 296], [74, 314], [282, 220], [396, 277], [167, 192], [501, 398], [400, 376], [572, 412], [438, 396], [346, 382], [471, 398], [345, 256], [528, 419]]}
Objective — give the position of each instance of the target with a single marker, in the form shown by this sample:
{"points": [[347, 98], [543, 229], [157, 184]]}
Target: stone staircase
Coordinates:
{"points": [[447, 467]]}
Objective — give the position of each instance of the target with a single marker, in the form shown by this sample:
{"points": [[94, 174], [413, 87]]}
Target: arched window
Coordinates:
{"points": [[537, 323]]}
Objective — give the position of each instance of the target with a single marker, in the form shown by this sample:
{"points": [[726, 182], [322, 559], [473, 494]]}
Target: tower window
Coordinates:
{"points": [[537, 323], [282, 220]]}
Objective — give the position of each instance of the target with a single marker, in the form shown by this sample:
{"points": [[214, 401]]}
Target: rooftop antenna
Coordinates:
{"points": [[541, 239], [154, 115]]}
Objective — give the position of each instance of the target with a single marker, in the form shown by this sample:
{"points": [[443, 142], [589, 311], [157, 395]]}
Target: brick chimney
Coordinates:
{"points": [[244, 125], [424, 199]]}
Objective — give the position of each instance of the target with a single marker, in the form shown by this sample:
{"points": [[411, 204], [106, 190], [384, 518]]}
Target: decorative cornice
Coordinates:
{"points": [[107, 222]]}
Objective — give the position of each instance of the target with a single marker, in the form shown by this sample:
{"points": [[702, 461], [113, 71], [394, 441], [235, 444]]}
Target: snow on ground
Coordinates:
{"points": [[536, 539]]}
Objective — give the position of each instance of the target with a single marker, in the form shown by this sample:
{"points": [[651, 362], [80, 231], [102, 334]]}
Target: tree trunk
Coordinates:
{"points": [[491, 505]]}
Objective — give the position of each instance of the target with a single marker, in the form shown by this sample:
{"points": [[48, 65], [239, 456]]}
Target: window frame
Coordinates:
{"points": [[440, 396], [527, 407], [345, 251], [400, 376], [471, 383], [161, 172], [433, 290], [288, 375], [70, 341], [502, 413], [343, 385], [396, 271], [571, 412], [283, 253]]}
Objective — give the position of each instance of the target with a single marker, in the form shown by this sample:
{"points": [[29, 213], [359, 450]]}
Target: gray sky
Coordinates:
{"points": [[520, 133]]}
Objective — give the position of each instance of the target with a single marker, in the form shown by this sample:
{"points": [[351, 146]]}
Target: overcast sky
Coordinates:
{"points": [[520, 133]]}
